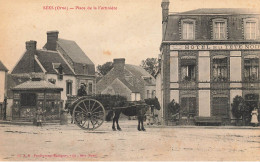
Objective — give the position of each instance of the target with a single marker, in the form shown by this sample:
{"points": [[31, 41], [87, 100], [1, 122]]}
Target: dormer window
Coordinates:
{"points": [[188, 29], [219, 29], [59, 69], [250, 28]]}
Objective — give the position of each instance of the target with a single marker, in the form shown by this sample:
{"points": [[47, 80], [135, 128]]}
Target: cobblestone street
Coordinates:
{"points": [[68, 142]]}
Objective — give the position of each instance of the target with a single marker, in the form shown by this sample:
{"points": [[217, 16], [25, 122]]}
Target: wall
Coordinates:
{"points": [[62, 84], [203, 28], [2, 85]]}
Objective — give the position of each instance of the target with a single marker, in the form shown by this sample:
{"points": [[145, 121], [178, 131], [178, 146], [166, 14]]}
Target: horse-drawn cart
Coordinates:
{"points": [[89, 112]]}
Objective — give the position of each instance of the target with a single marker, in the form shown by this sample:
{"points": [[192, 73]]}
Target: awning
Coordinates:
{"points": [[219, 57]]}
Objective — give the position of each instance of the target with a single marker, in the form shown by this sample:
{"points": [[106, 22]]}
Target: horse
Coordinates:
{"points": [[135, 108]]}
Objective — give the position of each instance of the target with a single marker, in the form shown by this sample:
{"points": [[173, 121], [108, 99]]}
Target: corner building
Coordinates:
{"points": [[208, 57]]}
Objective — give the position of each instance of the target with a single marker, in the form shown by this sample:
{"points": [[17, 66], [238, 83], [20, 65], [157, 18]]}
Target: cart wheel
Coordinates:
{"points": [[88, 114]]}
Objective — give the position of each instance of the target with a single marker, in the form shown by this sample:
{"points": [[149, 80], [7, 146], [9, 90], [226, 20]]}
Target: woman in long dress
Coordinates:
{"points": [[254, 119]]}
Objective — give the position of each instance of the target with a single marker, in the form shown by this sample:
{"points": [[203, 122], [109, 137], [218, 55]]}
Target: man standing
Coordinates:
{"points": [[82, 90]]}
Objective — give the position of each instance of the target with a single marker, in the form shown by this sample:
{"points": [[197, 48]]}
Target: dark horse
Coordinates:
{"points": [[135, 108]]}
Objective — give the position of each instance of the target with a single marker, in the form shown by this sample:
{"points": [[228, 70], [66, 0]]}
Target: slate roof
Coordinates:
{"points": [[74, 51], [2, 67], [22, 65], [221, 11], [46, 58], [36, 85], [134, 71], [140, 72]]}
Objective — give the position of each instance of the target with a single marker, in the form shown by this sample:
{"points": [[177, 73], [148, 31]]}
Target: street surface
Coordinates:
{"points": [[68, 142]]}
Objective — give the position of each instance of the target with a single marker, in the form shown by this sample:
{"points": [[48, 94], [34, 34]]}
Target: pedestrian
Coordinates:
{"points": [[254, 119], [39, 116]]}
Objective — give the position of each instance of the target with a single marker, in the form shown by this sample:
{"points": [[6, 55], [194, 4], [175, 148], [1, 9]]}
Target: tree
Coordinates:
{"points": [[105, 68], [150, 65], [238, 106], [241, 109]]}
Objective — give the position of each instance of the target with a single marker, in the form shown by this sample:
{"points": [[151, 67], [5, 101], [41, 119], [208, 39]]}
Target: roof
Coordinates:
{"points": [[13, 81], [74, 51], [140, 72], [221, 11], [135, 82], [36, 85], [47, 58], [2, 67]]}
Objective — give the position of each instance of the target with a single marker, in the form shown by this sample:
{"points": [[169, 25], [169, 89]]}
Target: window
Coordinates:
{"points": [[251, 68], [220, 106], [220, 68], [188, 29], [90, 88], [28, 99], [153, 94], [147, 94], [219, 29], [250, 28], [188, 106], [135, 97], [188, 67], [69, 88]]}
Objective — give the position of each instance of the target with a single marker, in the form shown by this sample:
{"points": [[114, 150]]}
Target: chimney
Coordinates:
{"points": [[31, 52], [52, 37], [119, 64], [165, 10], [31, 45]]}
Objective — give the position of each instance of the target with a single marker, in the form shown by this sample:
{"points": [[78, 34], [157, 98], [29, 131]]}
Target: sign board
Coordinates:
{"points": [[216, 47]]}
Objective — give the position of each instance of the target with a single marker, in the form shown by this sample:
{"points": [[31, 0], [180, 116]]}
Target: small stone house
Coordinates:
{"points": [[127, 80]]}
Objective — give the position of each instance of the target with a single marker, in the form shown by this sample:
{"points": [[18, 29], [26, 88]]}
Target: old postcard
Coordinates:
{"points": [[129, 80]]}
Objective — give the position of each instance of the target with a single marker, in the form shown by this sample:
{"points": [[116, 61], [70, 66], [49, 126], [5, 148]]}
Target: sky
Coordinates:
{"points": [[132, 31]]}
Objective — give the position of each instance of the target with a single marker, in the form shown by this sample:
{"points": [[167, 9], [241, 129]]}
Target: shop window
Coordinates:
{"points": [[251, 68], [188, 106], [250, 28], [28, 99], [219, 29], [188, 29], [220, 68], [188, 69], [220, 106]]}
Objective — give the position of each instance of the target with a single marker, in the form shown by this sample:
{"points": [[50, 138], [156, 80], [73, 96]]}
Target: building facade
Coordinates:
{"points": [[61, 62], [3, 90], [208, 57]]}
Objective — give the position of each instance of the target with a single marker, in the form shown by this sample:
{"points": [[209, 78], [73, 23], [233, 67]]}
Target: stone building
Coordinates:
{"points": [[61, 62], [3, 90], [127, 80], [208, 57]]}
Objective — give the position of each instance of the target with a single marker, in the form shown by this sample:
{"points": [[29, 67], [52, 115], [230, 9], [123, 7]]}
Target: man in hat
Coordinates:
{"points": [[82, 90]]}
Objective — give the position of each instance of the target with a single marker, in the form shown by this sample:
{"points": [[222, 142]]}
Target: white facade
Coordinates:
{"points": [[2, 85], [64, 84]]}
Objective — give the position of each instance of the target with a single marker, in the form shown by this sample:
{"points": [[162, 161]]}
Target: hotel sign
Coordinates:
{"points": [[216, 47]]}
